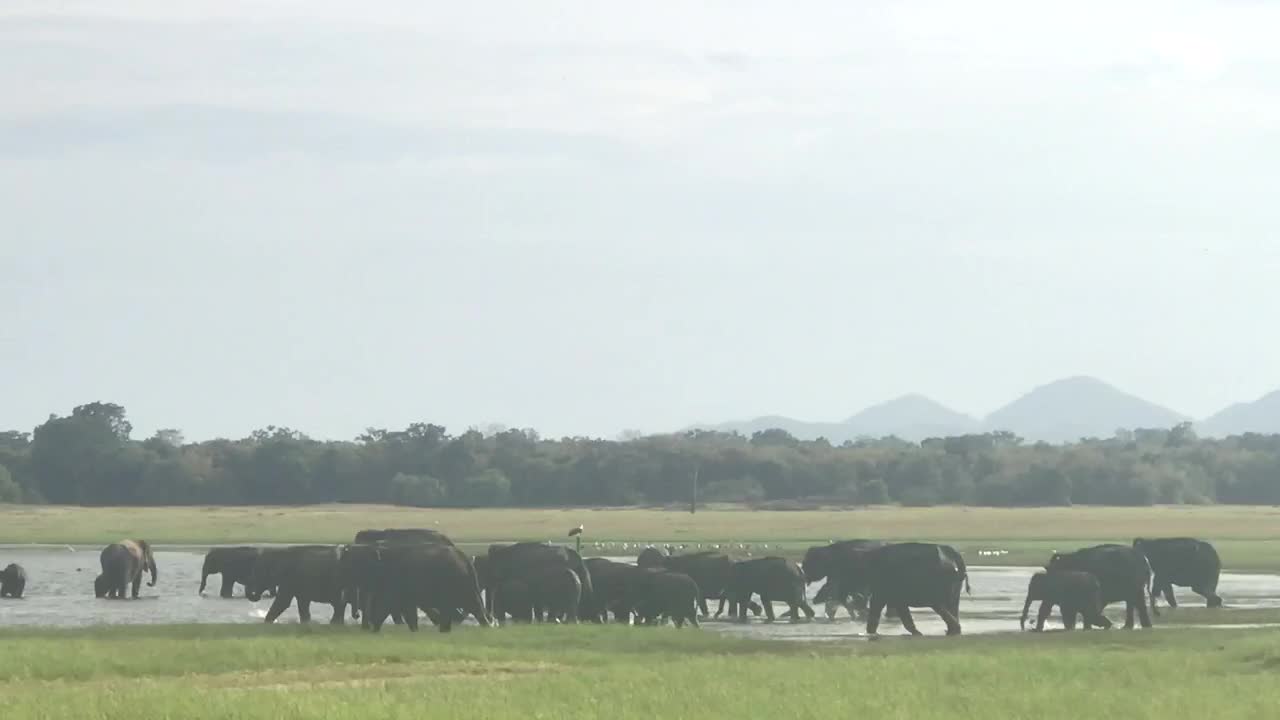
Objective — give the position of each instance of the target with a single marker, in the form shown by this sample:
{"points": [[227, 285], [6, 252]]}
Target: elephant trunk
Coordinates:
{"points": [[155, 574], [1026, 607]]}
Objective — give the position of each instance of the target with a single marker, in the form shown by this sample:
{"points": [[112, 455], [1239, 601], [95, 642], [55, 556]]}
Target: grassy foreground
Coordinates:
{"points": [[589, 672], [1247, 537]]}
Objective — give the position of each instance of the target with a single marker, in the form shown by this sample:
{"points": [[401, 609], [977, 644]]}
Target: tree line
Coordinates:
{"points": [[89, 458]]}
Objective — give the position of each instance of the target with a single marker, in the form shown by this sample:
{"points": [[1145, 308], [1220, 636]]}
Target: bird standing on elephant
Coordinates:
{"points": [[122, 567]]}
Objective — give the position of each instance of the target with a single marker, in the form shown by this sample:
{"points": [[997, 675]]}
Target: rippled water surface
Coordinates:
{"points": [[60, 593]]}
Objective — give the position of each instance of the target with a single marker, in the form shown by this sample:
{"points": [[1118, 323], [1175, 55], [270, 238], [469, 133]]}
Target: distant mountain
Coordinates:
{"points": [[1260, 416], [910, 417], [1069, 409], [835, 432]]}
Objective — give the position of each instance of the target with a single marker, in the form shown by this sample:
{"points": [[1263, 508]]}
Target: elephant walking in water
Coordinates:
{"points": [[234, 564], [122, 566], [1122, 572], [1185, 562], [1075, 592], [13, 580], [901, 576]]}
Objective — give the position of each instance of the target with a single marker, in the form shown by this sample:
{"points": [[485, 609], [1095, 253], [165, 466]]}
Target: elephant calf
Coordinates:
{"points": [[1075, 592], [552, 594], [665, 594], [13, 580]]}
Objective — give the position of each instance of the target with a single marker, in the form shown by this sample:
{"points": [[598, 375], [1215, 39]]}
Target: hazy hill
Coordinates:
{"points": [[1069, 409], [1260, 416], [910, 417]]}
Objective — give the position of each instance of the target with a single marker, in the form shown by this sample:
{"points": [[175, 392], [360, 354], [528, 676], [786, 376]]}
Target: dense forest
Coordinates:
{"points": [[90, 458]]}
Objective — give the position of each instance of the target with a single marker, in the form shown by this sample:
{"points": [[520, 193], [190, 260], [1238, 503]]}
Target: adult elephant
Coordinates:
{"points": [[1074, 592], [1122, 572], [122, 567], [234, 564], [401, 578], [1182, 561], [772, 578], [402, 535], [823, 562], [901, 576], [302, 573], [710, 571], [521, 561], [13, 580]]}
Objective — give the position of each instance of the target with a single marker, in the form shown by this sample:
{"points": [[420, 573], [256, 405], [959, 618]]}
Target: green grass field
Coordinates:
{"points": [[619, 672], [1247, 537]]}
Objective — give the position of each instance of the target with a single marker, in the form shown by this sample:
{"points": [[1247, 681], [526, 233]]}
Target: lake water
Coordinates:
{"points": [[60, 593]]}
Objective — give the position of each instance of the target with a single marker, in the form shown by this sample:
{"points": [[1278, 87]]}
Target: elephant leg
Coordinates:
{"points": [[281, 603], [1069, 616], [228, 586], [1128, 614], [1208, 593], [304, 611], [944, 612], [339, 611], [1169, 597], [873, 615], [1143, 617], [909, 622], [702, 607], [806, 608], [1046, 609], [410, 614], [767, 604], [137, 584]]}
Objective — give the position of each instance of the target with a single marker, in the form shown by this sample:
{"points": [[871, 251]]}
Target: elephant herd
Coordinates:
{"points": [[395, 573]]}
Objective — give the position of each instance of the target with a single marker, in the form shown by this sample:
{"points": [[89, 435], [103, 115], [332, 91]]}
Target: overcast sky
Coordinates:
{"points": [[585, 216]]}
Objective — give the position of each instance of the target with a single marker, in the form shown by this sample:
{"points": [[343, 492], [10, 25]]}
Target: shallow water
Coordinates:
{"points": [[60, 593]]}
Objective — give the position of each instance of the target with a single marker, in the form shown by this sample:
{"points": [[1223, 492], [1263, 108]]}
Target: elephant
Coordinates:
{"points": [[822, 561], [710, 571], [402, 578], [122, 567], [402, 535], [1122, 573], [773, 578], [13, 580], [1185, 562], [610, 582], [234, 564], [306, 573], [656, 594], [552, 594], [523, 560], [1074, 592], [832, 598], [901, 576]]}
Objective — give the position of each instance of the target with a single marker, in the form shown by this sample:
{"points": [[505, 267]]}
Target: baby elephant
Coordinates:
{"points": [[13, 580], [1075, 592]]}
